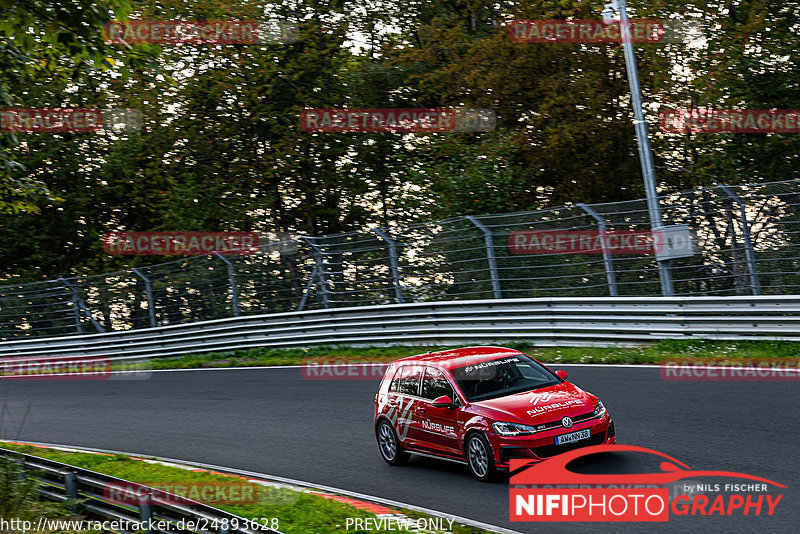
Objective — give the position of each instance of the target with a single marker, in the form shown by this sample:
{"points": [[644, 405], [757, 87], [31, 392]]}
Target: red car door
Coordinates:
{"points": [[437, 426]]}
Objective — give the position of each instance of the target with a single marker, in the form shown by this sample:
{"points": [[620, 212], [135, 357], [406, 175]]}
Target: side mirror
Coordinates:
{"points": [[442, 402], [562, 374]]}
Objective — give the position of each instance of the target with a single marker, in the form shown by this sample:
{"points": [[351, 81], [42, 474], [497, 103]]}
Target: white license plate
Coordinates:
{"points": [[574, 436]]}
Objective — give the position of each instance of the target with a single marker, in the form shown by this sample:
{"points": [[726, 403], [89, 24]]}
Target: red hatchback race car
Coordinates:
{"points": [[483, 406]]}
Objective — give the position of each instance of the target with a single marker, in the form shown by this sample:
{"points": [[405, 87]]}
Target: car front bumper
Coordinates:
{"points": [[541, 446]]}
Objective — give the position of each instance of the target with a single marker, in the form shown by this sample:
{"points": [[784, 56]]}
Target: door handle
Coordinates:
{"points": [[421, 409]]}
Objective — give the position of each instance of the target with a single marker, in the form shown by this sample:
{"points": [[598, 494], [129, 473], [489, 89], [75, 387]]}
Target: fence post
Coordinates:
{"points": [[398, 291], [304, 297], [149, 290], [71, 487], [749, 254], [320, 261], [611, 276], [80, 306], [76, 310], [232, 282], [487, 239]]}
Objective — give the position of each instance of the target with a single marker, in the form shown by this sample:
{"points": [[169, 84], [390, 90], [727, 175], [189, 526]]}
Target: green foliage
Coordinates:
{"points": [[62, 41], [464, 175], [19, 495], [221, 147]]}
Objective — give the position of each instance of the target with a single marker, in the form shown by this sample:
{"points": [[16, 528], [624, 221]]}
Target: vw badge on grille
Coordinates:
{"points": [[567, 422]]}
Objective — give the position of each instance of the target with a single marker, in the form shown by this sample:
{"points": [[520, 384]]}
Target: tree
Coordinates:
{"points": [[36, 37]]}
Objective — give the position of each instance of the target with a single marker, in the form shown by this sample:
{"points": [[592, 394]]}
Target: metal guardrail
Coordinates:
{"points": [[579, 321], [62, 482]]}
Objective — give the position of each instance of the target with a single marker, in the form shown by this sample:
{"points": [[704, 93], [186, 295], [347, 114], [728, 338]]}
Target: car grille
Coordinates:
{"points": [[551, 450], [557, 423]]}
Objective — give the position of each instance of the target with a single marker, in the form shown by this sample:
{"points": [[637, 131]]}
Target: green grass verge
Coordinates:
{"points": [[653, 353], [297, 512], [20, 502]]}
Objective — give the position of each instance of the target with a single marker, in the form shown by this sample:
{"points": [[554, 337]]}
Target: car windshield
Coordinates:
{"points": [[503, 376]]}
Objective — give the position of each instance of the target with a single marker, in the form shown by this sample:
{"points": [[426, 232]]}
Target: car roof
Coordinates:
{"points": [[451, 359]]}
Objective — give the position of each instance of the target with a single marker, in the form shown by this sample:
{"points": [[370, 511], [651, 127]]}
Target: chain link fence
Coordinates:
{"points": [[745, 241]]}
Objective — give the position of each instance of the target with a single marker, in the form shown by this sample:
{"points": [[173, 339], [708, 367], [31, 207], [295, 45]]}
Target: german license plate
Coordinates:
{"points": [[573, 437]]}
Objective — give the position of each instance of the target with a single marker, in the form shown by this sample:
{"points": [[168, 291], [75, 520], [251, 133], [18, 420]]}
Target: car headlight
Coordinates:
{"points": [[600, 410], [513, 429]]}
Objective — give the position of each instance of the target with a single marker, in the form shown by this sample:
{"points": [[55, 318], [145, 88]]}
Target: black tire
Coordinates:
{"points": [[480, 459], [389, 445]]}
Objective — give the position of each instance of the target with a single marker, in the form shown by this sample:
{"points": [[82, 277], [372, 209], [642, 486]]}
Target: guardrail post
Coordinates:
{"points": [[320, 261], [21, 476], [79, 305], [390, 243], [149, 290], [71, 487], [232, 282], [611, 276], [489, 242], [749, 254], [145, 512]]}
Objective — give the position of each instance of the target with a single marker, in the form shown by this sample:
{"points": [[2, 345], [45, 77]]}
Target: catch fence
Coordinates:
{"points": [[744, 238]]}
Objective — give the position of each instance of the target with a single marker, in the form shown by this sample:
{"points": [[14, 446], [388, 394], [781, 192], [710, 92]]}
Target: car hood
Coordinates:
{"points": [[539, 406]]}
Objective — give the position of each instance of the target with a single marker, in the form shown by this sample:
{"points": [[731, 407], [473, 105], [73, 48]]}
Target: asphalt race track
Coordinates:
{"points": [[274, 421]]}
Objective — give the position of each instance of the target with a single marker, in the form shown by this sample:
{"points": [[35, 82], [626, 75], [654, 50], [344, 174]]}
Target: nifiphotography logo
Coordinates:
{"points": [[549, 491]]}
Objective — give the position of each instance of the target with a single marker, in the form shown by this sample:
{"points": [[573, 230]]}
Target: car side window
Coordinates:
{"points": [[435, 385], [394, 387], [406, 380]]}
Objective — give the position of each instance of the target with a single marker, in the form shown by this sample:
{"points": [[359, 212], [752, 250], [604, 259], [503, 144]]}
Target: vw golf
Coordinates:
{"points": [[483, 406]]}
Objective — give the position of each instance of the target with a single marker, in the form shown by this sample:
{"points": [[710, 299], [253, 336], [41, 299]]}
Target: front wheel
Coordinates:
{"points": [[479, 457], [389, 445]]}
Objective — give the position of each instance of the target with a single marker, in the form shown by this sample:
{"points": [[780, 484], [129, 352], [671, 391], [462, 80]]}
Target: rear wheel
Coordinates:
{"points": [[479, 457], [389, 445]]}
